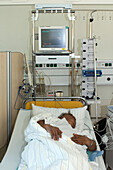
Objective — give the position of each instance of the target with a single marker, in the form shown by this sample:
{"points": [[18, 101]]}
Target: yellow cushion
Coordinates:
{"points": [[55, 104]]}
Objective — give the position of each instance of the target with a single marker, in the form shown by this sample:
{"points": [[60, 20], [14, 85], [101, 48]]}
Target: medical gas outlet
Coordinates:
{"points": [[106, 66]]}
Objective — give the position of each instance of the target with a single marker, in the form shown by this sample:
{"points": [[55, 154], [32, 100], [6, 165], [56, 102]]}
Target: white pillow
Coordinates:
{"points": [[50, 114]]}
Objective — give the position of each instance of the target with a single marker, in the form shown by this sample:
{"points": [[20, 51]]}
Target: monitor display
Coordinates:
{"points": [[53, 38]]}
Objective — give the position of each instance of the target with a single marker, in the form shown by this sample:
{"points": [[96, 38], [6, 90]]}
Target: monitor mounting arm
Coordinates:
{"points": [[53, 6]]}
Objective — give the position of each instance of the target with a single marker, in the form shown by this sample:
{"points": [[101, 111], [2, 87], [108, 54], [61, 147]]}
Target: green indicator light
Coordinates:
{"points": [[106, 64], [51, 65], [78, 64], [55, 65], [40, 65], [67, 65], [47, 65], [110, 64]]}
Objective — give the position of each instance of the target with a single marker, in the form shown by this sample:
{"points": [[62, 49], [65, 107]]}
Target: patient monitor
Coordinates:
{"points": [[53, 38]]}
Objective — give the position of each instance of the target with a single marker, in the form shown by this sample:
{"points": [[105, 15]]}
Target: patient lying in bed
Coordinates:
{"points": [[66, 151], [56, 133]]}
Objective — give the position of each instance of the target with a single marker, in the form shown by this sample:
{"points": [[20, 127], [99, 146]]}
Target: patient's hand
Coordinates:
{"points": [[84, 140], [70, 119], [79, 139], [55, 132]]}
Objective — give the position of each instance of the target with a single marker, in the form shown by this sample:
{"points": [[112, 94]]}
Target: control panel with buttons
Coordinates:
{"points": [[106, 66], [104, 63], [58, 69]]}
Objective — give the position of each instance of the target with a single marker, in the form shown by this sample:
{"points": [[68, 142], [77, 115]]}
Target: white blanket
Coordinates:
{"points": [[43, 153]]}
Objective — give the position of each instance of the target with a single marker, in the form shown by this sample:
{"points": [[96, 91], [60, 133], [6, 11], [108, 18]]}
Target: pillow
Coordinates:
{"points": [[51, 114]]}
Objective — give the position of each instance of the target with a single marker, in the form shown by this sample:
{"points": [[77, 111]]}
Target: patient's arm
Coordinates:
{"points": [[55, 132], [70, 118], [84, 140]]}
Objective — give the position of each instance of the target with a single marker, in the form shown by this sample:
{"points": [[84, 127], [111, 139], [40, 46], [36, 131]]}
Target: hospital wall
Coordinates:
{"points": [[16, 34]]}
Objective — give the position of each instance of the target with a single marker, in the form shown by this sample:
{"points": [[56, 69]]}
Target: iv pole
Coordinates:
{"points": [[71, 17], [91, 37], [34, 18]]}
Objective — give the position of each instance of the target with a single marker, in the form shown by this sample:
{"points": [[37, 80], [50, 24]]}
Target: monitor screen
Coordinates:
{"points": [[53, 38]]}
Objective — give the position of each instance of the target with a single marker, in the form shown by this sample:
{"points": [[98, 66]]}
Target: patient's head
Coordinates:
{"points": [[69, 117]]}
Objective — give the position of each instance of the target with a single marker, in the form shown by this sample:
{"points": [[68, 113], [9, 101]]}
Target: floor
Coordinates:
{"points": [[2, 152]]}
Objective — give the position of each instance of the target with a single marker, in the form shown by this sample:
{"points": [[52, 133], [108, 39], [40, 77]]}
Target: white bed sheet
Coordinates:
{"points": [[17, 142], [12, 157]]}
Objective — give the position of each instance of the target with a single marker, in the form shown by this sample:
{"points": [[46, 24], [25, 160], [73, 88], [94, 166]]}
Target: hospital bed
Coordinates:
{"points": [[17, 143]]}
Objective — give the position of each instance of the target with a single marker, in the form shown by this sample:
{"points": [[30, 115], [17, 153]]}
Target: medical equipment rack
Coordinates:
{"points": [[88, 65], [71, 17]]}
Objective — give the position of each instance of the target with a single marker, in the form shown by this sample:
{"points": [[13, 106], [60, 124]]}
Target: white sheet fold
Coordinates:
{"points": [[43, 153]]}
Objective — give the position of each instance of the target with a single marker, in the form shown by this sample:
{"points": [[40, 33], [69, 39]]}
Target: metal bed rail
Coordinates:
{"points": [[57, 99]]}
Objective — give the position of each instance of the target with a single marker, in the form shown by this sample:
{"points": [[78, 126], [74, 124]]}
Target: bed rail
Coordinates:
{"points": [[55, 102]]}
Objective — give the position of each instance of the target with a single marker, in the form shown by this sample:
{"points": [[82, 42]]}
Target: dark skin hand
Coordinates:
{"points": [[70, 119], [83, 140], [55, 132]]}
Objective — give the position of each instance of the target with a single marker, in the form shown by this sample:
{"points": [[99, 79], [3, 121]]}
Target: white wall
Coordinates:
{"points": [[102, 30], [15, 28], [12, 2]]}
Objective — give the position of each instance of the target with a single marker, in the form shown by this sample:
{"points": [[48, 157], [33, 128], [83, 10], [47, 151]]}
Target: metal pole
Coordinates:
{"points": [[73, 60], [73, 33], [33, 29], [91, 24], [90, 28], [9, 95], [72, 78], [33, 56], [56, 98], [91, 37], [96, 104]]}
